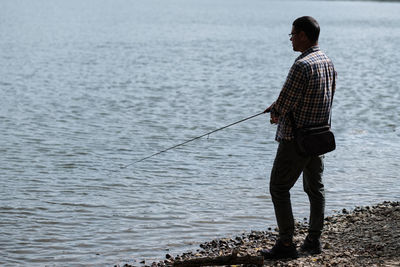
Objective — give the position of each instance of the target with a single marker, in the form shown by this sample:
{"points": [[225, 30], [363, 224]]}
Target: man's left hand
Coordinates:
{"points": [[274, 119]]}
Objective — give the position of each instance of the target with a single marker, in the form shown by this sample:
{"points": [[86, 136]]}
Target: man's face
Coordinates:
{"points": [[295, 38]]}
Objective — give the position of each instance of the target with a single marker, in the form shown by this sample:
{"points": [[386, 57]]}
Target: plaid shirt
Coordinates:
{"points": [[307, 92]]}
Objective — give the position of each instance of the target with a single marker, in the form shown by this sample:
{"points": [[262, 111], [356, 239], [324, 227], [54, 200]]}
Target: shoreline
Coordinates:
{"points": [[365, 236]]}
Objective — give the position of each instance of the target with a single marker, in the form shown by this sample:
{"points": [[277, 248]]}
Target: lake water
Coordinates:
{"points": [[89, 86]]}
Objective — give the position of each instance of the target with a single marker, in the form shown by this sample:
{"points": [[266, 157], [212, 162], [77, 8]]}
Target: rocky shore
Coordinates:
{"points": [[365, 236]]}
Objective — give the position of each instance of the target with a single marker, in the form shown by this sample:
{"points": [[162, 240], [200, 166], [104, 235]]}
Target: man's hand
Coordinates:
{"points": [[268, 109], [274, 119]]}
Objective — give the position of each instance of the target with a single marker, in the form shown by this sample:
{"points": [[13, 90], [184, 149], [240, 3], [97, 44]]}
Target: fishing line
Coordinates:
{"points": [[193, 139]]}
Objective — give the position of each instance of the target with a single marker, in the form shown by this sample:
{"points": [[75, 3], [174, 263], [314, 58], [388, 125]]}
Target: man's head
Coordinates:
{"points": [[305, 33]]}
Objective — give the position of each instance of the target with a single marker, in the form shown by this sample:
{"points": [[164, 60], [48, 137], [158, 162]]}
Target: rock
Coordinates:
{"points": [[376, 238], [327, 246], [350, 238]]}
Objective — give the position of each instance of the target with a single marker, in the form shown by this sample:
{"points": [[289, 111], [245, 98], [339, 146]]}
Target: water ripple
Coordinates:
{"points": [[85, 92]]}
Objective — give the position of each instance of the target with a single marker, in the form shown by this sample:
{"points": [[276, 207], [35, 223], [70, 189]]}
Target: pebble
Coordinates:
{"points": [[366, 236]]}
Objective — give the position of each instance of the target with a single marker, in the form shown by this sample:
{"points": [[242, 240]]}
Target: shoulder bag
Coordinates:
{"points": [[314, 140]]}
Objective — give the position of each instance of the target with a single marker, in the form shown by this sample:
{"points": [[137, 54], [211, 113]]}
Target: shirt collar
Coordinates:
{"points": [[310, 50]]}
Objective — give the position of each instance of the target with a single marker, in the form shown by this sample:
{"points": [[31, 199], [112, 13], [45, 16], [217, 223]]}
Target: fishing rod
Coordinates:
{"points": [[193, 139]]}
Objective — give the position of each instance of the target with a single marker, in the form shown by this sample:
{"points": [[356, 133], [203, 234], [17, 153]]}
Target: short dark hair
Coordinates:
{"points": [[309, 26]]}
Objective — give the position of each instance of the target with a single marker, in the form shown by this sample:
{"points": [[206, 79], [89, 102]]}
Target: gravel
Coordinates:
{"points": [[365, 236]]}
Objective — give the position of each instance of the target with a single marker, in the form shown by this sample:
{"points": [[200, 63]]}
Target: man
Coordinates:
{"points": [[305, 99]]}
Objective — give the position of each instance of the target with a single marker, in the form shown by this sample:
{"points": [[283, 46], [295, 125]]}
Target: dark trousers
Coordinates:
{"points": [[288, 166]]}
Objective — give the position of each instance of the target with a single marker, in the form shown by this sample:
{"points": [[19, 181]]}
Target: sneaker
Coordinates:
{"points": [[311, 246], [280, 251]]}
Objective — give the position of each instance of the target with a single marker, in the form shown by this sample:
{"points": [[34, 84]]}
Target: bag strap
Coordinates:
{"points": [[332, 94]]}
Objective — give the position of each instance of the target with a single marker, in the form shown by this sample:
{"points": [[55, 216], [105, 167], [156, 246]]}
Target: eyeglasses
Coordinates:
{"points": [[292, 34]]}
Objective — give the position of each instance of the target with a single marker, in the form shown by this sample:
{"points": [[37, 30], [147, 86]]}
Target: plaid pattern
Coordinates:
{"points": [[307, 92]]}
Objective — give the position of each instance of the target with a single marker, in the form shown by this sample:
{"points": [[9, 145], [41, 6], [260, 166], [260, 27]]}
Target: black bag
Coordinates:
{"points": [[315, 141]]}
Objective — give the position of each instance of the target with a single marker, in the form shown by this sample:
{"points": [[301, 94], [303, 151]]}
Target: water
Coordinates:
{"points": [[89, 86]]}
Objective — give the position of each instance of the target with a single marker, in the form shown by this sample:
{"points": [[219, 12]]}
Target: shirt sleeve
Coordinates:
{"points": [[291, 91]]}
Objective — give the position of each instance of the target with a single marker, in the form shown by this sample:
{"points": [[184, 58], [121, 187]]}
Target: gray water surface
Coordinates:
{"points": [[90, 86]]}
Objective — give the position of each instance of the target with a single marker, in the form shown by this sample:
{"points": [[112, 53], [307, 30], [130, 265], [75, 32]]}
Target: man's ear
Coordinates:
{"points": [[303, 36]]}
